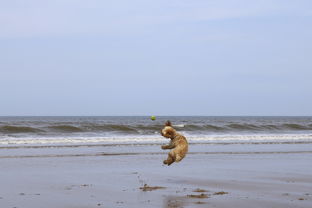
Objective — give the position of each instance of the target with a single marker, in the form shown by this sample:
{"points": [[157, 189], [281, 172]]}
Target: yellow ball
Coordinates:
{"points": [[153, 118]]}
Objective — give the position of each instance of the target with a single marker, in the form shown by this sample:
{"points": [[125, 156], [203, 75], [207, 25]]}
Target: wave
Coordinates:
{"points": [[95, 145], [286, 126], [244, 127], [111, 127], [18, 129], [155, 140], [140, 129], [202, 128], [297, 127], [65, 128]]}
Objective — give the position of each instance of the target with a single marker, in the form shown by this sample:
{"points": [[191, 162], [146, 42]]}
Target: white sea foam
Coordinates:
{"points": [[6, 141], [179, 125]]}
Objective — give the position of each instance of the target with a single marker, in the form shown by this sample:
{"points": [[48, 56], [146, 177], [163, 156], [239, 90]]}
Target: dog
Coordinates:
{"points": [[178, 144]]}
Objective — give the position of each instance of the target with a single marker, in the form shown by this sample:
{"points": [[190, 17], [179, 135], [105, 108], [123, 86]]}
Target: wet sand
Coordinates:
{"points": [[214, 178]]}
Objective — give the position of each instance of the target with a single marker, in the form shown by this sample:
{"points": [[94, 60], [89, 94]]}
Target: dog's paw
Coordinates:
{"points": [[163, 147], [165, 162]]}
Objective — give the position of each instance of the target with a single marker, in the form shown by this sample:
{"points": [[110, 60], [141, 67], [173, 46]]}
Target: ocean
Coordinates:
{"points": [[141, 129]]}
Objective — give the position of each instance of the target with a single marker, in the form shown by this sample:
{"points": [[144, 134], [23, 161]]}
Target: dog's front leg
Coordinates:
{"points": [[169, 146]]}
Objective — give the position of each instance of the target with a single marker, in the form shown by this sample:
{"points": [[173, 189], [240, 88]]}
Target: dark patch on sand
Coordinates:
{"points": [[175, 202], [85, 185], [200, 202], [220, 193], [77, 186], [301, 199], [198, 196], [151, 188], [200, 190]]}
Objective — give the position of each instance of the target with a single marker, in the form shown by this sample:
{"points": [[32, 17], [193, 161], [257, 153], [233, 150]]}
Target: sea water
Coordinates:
{"points": [[140, 129]]}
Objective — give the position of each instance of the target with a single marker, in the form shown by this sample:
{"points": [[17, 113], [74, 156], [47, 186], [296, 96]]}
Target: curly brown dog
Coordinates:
{"points": [[178, 144]]}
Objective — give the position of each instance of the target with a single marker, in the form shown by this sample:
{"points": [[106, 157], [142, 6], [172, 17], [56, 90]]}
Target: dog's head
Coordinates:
{"points": [[168, 131]]}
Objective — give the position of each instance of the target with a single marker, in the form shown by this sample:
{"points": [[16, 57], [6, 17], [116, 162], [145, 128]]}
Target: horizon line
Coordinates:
{"points": [[156, 115]]}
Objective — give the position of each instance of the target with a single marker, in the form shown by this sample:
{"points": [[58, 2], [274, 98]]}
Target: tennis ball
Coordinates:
{"points": [[153, 118]]}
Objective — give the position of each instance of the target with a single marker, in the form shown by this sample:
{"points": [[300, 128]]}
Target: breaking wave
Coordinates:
{"points": [[151, 129], [132, 140], [18, 129], [65, 128]]}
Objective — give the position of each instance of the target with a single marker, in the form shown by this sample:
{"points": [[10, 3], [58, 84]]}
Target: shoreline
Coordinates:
{"points": [[261, 180]]}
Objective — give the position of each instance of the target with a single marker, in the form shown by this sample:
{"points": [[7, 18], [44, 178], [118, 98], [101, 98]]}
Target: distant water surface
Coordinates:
{"points": [[133, 129]]}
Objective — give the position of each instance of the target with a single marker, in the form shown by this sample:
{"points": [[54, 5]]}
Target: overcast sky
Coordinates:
{"points": [[144, 57]]}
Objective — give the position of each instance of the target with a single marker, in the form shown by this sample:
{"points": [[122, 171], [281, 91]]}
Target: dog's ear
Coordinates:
{"points": [[168, 123], [170, 132]]}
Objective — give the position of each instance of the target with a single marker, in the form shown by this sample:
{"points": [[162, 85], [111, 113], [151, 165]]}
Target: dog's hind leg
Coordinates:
{"points": [[170, 159]]}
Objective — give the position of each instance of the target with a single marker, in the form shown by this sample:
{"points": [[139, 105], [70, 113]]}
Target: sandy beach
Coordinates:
{"points": [[212, 175]]}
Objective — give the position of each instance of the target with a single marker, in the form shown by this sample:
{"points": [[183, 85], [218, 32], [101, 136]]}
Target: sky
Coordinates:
{"points": [[147, 57]]}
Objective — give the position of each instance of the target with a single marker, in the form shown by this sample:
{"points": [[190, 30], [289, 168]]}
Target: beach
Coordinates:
{"points": [[85, 162], [98, 97], [106, 176]]}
